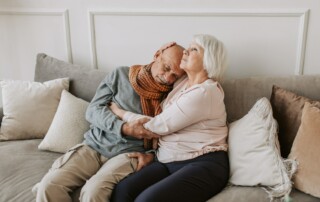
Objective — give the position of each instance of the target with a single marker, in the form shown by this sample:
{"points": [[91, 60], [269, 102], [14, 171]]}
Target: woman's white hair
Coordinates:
{"points": [[214, 56]]}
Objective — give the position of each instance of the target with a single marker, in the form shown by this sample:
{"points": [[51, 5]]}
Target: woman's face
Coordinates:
{"points": [[192, 60]]}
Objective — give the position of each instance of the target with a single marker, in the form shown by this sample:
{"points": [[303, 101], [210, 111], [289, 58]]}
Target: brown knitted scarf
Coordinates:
{"points": [[151, 93]]}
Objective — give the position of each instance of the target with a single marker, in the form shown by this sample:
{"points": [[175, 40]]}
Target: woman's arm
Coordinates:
{"points": [[125, 115], [189, 108]]}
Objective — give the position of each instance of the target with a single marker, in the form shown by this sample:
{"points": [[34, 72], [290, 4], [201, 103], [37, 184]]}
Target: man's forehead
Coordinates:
{"points": [[171, 59], [172, 54]]}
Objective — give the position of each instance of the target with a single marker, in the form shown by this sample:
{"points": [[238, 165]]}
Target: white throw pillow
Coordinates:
{"points": [[29, 107], [254, 152], [68, 126]]}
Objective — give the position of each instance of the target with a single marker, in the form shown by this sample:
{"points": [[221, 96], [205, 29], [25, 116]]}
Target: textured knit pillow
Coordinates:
{"points": [[306, 150], [29, 107], [68, 125], [254, 152], [287, 109]]}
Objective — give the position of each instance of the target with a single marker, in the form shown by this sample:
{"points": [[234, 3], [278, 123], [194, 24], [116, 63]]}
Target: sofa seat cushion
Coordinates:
{"points": [[22, 165], [257, 194]]}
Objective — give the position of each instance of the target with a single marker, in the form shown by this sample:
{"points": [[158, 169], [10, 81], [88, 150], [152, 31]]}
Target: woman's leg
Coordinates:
{"points": [[129, 188], [197, 180]]}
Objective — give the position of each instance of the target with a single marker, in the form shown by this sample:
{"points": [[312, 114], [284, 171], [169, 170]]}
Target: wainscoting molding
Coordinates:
{"points": [[47, 12], [301, 14]]}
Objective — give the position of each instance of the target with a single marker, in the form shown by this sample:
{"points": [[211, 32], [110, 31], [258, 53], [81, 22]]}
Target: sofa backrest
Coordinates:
{"points": [[83, 81], [240, 94]]}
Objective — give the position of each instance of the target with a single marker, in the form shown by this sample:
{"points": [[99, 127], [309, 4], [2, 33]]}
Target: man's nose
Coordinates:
{"points": [[169, 78]]}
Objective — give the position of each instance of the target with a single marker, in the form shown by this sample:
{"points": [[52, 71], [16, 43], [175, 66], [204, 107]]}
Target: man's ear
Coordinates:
{"points": [[157, 54]]}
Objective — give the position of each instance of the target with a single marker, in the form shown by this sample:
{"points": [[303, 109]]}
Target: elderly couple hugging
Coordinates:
{"points": [[146, 143]]}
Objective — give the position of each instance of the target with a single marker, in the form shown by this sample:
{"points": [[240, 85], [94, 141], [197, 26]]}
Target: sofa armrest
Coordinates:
{"points": [[1, 115]]}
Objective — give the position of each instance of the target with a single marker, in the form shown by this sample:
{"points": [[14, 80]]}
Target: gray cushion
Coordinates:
{"points": [[241, 94], [83, 81], [256, 194]]}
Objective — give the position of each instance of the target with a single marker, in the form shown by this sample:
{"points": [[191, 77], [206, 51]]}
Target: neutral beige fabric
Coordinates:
{"points": [[254, 153], [241, 94], [27, 165], [29, 107], [68, 126], [256, 194], [287, 109], [306, 150], [80, 166], [21, 166]]}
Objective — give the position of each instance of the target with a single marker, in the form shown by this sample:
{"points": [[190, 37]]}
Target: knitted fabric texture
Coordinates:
{"points": [[151, 93]]}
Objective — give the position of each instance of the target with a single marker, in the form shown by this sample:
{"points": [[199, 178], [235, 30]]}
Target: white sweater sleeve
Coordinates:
{"points": [[189, 108], [130, 116]]}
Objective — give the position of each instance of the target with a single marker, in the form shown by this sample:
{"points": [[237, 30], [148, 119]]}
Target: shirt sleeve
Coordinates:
{"points": [[130, 116], [98, 114], [188, 109]]}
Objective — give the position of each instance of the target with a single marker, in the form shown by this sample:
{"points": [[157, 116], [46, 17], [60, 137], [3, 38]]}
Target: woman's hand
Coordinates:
{"points": [[116, 110], [143, 159]]}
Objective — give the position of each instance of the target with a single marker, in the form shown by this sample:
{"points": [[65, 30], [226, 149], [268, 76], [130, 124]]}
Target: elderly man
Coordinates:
{"points": [[101, 160]]}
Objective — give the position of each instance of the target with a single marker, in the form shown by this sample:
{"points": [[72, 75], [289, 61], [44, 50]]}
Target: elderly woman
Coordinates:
{"points": [[192, 161]]}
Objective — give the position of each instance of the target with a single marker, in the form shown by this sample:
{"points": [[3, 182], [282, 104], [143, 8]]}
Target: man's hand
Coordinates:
{"points": [[155, 142], [136, 129], [143, 159]]}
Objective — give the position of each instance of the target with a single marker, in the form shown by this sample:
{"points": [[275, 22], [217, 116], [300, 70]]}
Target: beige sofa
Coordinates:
{"points": [[22, 164]]}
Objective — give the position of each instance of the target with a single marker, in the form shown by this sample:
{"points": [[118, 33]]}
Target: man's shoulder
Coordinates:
{"points": [[122, 71]]}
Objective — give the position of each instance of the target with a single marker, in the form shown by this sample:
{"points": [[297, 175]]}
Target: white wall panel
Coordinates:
{"points": [[263, 37], [256, 41], [23, 34]]}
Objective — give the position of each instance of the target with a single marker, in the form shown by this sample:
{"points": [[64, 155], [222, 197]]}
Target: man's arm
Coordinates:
{"points": [[99, 114], [133, 127], [137, 130]]}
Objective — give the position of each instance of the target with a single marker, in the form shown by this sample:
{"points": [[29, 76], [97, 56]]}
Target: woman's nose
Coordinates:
{"points": [[186, 52]]}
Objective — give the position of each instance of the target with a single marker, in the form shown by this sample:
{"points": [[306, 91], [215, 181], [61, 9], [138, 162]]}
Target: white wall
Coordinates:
{"points": [[262, 37]]}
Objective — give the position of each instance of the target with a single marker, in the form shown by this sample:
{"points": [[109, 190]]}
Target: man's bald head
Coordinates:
{"points": [[166, 68]]}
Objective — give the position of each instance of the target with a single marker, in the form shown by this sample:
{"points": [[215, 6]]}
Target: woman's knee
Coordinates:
{"points": [[123, 192], [149, 196]]}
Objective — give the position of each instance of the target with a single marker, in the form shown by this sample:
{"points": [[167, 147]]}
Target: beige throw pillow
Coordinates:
{"points": [[254, 152], [306, 150], [287, 109], [68, 125], [29, 107]]}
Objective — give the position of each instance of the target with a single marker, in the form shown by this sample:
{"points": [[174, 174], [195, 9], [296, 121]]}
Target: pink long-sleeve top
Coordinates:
{"points": [[192, 123]]}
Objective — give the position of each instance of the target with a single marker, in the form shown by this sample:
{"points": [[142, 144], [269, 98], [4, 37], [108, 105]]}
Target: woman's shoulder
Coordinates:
{"points": [[212, 86]]}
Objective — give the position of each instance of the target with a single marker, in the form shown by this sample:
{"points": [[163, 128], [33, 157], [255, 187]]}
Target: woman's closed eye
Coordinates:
{"points": [[193, 49]]}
